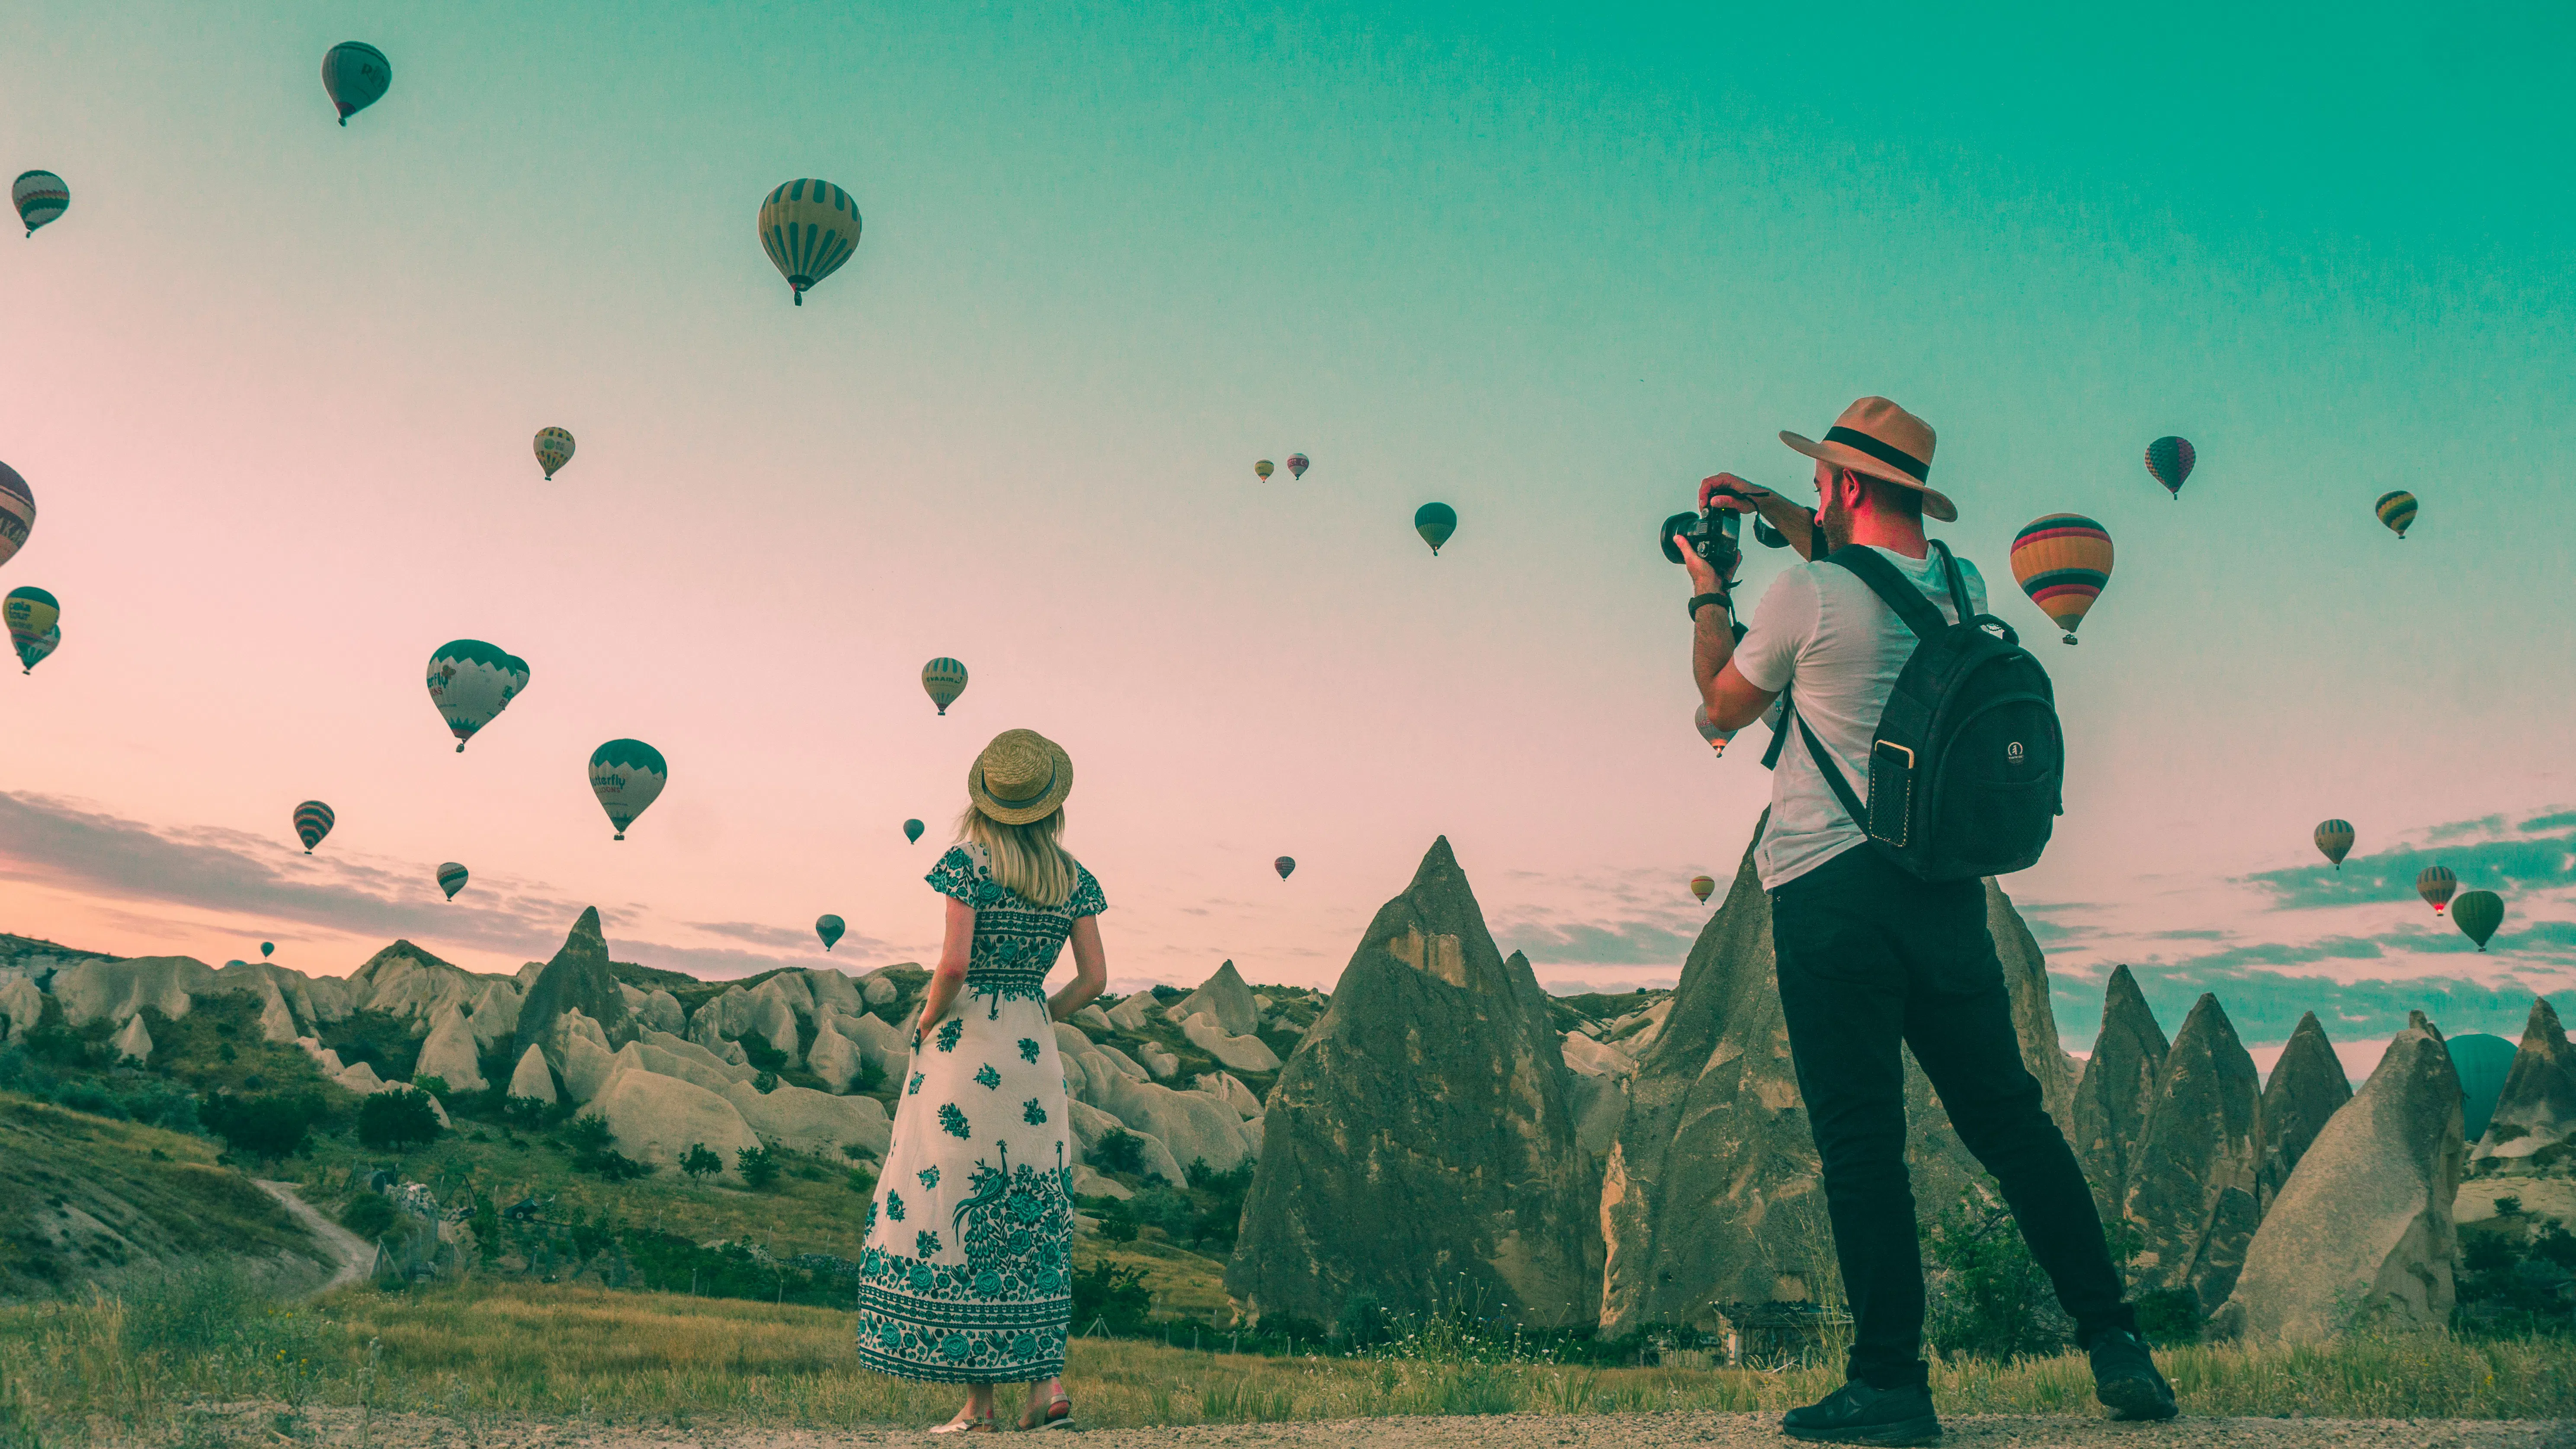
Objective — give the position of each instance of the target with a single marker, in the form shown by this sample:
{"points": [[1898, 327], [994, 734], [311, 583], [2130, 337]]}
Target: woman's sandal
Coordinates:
{"points": [[968, 1425], [1059, 1413]]}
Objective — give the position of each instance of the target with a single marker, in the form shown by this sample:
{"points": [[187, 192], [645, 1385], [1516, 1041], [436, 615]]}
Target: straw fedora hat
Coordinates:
{"points": [[1022, 776], [1876, 437]]}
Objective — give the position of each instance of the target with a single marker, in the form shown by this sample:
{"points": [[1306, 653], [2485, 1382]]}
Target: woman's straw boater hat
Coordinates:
{"points": [[1021, 777], [1876, 437]]}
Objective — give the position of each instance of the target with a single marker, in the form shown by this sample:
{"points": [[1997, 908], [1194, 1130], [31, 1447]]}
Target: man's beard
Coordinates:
{"points": [[1835, 522]]}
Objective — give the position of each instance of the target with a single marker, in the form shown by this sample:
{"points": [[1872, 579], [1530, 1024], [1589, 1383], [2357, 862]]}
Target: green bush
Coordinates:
{"points": [[1118, 1221], [863, 1182], [1113, 1297], [1362, 1321], [588, 1133], [369, 1215], [698, 1162], [267, 1126], [396, 1119], [2168, 1317], [759, 1168], [1118, 1150], [1992, 1300]]}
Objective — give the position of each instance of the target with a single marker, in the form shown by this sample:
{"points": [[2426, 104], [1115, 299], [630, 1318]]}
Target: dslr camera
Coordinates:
{"points": [[1716, 534]]}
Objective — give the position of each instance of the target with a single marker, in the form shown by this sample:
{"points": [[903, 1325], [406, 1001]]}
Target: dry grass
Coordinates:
{"points": [[112, 1371]]}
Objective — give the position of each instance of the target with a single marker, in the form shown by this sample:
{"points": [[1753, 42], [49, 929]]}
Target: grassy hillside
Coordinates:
{"points": [[86, 1198]]}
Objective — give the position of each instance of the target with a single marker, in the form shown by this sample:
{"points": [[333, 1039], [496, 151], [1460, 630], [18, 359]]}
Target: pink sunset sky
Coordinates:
{"points": [[273, 384]]}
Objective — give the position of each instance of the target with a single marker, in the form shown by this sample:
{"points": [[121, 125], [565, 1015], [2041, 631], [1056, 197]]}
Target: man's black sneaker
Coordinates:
{"points": [[2125, 1377], [1859, 1414]]}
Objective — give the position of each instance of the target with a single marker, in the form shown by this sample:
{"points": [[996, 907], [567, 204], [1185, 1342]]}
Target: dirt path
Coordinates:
{"points": [[1510, 1431], [355, 1257]]}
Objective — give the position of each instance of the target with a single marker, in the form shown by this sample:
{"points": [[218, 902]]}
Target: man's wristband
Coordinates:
{"points": [[1701, 601]]}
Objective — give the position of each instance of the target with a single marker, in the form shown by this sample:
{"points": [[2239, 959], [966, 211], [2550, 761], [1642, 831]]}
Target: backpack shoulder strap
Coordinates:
{"points": [[1867, 565]]}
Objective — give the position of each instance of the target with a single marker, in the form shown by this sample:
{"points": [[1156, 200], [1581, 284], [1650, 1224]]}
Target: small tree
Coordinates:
{"points": [[368, 1215], [265, 1127], [756, 1164], [588, 1132], [433, 1084], [698, 1162], [397, 1119], [1119, 1150]]}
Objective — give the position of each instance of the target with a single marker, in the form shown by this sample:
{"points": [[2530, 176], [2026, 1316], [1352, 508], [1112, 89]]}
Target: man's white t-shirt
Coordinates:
{"points": [[1820, 633]]}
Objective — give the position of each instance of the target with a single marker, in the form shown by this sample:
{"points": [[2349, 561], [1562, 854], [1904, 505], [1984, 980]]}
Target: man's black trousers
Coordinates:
{"points": [[1870, 956]]}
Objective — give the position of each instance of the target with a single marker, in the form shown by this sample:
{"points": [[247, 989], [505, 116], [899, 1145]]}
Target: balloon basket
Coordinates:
{"points": [[621, 835]]}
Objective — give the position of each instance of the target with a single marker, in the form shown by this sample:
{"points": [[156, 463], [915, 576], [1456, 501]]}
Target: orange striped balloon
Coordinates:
{"points": [[2062, 561]]}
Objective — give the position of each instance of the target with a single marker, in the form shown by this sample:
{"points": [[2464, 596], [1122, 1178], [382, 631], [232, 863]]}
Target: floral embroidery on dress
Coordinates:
{"points": [[986, 1077], [949, 1030], [913, 1088], [1032, 1113], [894, 1206], [929, 1175], [1028, 1049], [925, 1243], [952, 1121]]}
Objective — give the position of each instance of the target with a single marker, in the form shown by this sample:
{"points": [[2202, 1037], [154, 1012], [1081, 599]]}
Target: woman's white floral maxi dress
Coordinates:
{"points": [[970, 1239]]}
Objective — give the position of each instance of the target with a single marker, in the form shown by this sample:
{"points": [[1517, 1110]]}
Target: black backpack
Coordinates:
{"points": [[1968, 769]]}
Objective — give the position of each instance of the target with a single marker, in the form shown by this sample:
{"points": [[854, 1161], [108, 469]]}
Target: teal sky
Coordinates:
{"points": [[273, 383]]}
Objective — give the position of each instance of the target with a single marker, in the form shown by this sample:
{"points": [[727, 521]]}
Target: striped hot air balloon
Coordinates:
{"points": [[1263, 469], [627, 775], [912, 831], [36, 652], [470, 683], [2169, 462], [2396, 510], [808, 228], [451, 878], [313, 820], [554, 449], [943, 679], [29, 613], [17, 512], [2477, 914], [2334, 840], [2435, 885], [40, 196], [2062, 561], [830, 929], [1435, 522], [357, 75], [1297, 465], [1286, 865], [1701, 885]]}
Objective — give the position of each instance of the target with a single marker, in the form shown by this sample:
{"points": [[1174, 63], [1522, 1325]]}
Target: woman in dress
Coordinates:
{"points": [[967, 1273]]}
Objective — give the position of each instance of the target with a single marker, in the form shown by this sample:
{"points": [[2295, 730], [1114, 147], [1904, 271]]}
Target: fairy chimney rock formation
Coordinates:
{"points": [[2306, 1087], [2362, 1232], [1710, 1195], [1225, 997], [2192, 1195], [2034, 1020], [577, 979], [1421, 1143], [2118, 1085], [2535, 1116]]}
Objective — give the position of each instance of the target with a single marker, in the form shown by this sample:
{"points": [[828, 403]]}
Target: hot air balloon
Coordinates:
{"points": [[626, 775], [911, 831], [267, 949], [17, 512], [1262, 469], [356, 74], [451, 878], [2396, 510], [1708, 731], [2062, 562], [1700, 886], [1297, 465], [2169, 462], [40, 196], [808, 228], [554, 449], [2435, 886], [830, 929], [944, 679], [313, 820], [34, 652], [2334, 839], [518, 668], [1286, 865], [29, 612], [470, 683], [1435, 522], [2477, 914]]}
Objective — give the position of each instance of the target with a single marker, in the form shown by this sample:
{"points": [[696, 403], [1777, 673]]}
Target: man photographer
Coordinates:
{"points": [[1870, 955]]}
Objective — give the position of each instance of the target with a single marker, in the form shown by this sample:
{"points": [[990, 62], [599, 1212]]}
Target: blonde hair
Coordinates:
{"points": [[1026, 859]]}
